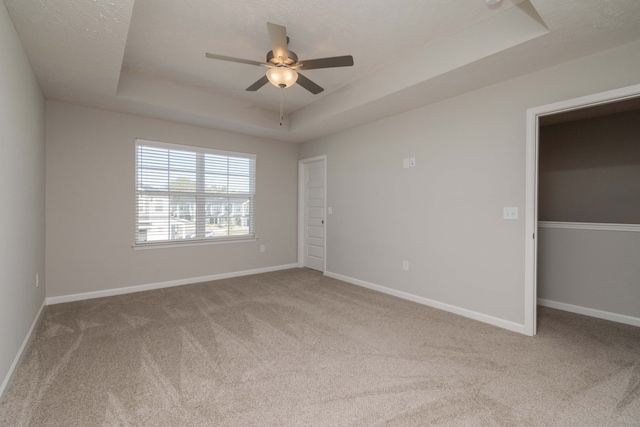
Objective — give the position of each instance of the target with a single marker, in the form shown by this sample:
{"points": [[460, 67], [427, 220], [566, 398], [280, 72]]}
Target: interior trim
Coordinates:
{"points": [[11, 371], [589, 226], [531, 185], [495, 321], [592, 312], [160, 285]]}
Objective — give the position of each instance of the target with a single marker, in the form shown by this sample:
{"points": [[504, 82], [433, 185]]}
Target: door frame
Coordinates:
{"points": [[302, 164], [531, 196]]}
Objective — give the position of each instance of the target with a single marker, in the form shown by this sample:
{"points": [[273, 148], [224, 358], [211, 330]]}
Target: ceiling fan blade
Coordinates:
{"points": [[278, 37], [232, 59], [336, 61], [257, 85], [308, 84]]}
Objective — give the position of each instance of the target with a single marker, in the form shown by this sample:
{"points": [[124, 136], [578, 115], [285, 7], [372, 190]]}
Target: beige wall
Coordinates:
{"points": [[21, 195], [445, 215], [590, 170], [90, 203]]}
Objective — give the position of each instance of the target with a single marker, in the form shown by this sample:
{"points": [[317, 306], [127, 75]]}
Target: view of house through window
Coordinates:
{"points": [[188, 193]]}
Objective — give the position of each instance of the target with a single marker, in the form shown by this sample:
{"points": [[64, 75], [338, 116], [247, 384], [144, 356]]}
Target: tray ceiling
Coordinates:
{"points": [[147, 56]]}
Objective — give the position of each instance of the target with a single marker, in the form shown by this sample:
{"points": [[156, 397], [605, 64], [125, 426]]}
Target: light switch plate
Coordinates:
{"points": [[405, 163], [510, 213]]}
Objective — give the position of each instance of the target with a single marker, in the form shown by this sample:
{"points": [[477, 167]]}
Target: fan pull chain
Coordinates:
{"points": [[281, 105]]}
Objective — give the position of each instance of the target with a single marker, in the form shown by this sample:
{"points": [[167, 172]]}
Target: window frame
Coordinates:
{"points": [[200, 196]]}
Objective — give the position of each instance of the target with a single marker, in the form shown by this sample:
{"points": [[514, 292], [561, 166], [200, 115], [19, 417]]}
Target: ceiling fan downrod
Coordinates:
{"points": [[282, 86]]}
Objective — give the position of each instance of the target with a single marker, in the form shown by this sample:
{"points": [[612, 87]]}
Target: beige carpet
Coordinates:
{"points": [[294, 348]]}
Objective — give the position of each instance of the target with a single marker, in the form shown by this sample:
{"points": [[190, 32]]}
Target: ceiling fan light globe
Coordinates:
{"points": [[282, 76]]}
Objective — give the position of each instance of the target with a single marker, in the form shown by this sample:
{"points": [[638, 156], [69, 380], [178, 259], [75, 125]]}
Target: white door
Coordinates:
{"points": [[313, 242]]}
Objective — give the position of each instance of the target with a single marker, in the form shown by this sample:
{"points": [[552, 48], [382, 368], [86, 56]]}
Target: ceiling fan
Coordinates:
{"points": [[283, 65]]}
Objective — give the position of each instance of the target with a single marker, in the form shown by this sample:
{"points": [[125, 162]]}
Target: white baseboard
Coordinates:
{"points": [[614, 317], [7, 378], [501, 323], [160, 285]]}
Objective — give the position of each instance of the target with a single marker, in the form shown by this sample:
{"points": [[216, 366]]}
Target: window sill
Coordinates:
{"points": [[165, 245]]}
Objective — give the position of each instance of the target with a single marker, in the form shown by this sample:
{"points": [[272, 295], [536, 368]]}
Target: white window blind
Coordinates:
{"points": [[185, 194]]}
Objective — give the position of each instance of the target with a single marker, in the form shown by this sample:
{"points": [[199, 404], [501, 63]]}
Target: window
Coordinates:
{"points": [[184, 194]]}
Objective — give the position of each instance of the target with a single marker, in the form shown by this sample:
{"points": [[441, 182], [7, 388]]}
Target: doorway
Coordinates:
{"points": [[312, 183], [531, 197]]}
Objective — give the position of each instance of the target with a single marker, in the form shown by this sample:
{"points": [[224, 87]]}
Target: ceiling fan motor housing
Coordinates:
{"points": [[292, 58], [283, 68]]}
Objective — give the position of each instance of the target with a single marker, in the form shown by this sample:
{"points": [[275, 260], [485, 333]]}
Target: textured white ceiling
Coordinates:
{"points": [[168, 39], [147, 56]]}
